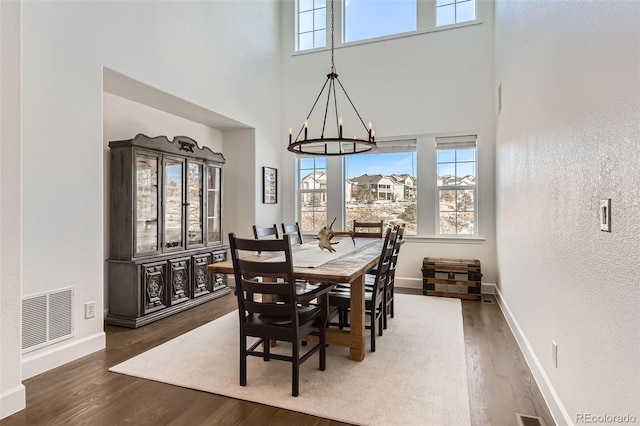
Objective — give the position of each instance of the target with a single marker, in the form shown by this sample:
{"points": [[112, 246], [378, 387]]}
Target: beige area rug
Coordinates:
{"points": [[417, 376]]}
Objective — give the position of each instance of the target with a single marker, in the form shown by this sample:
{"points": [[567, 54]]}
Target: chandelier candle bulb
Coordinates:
{"points": [[306, 127], [290, 135]]}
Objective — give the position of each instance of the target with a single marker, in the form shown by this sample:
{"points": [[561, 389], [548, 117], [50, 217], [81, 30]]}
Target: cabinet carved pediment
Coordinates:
{"points": [[182, 145]]}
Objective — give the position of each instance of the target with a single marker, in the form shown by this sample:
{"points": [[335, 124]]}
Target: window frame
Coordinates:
{"points": [[398, 145], [455, 4], [427, 195], [314, 30], [456, 143], [344, 27], [301, 192], [426, 23]]}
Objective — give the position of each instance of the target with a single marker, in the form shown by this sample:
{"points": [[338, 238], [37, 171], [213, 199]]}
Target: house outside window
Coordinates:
{"points": [[312, 184], [456, 185], [382, 186]]}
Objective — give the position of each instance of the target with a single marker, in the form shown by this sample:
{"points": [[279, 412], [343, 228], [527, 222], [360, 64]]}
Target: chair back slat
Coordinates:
{"points": [[294, 232], [368, 229], [396, 248], [251, 290], [385, 261], [260, 233]]}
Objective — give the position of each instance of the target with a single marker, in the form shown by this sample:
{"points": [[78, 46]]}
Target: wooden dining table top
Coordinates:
{"points": [[343, 269], [349, 267]]}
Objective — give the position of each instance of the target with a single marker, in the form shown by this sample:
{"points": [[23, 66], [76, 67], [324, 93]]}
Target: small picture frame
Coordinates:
{"points": [[269, 185]]}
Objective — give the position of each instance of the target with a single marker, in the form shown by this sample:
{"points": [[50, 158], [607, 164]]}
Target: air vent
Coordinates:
{"points": [[47, 318], [525, 420]]}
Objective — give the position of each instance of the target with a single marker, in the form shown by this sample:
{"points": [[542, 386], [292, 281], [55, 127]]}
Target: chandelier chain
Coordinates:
{"points": [[332, 145], [333, 67]]}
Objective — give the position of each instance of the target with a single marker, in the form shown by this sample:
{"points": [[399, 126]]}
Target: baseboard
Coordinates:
{"points": [[12, 401], [49, 358], [487, 288], [408, 282], [559, 413]]}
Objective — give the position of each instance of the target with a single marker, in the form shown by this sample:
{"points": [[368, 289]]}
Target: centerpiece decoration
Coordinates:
{"points": [[327, 233]]}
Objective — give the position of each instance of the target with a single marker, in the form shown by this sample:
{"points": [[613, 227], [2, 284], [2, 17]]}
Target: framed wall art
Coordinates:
{"points": [[269, 185]]}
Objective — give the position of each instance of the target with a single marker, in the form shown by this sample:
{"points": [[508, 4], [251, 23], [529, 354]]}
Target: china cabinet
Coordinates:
{"points": [[165, 227]]}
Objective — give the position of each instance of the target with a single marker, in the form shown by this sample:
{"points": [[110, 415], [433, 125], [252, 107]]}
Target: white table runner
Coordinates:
{"points": [[310, 255]]}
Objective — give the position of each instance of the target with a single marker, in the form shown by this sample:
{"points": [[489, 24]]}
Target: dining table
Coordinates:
{"points": [[349, 264]]}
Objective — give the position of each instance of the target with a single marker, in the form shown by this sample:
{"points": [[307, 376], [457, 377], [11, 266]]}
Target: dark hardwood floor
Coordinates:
{"points": [[83, 392]]}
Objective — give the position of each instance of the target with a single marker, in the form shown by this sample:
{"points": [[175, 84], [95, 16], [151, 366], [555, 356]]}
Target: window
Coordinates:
{"points": [[312, 184], [456, 185], [357, 20], [454, 11], [312, 24], [365, 19], [382, 187]]}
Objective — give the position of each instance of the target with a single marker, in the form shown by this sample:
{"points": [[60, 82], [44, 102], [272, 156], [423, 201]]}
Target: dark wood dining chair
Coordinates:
{"points": [[260, 233], [301, 309], [389, 308], [340, 297], [294, 232], [368, 229]]}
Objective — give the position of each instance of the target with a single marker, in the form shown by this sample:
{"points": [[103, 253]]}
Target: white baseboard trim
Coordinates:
{"points": [[51, 357], [409, 282], [559, 413], [486, 288], [12, 401]]}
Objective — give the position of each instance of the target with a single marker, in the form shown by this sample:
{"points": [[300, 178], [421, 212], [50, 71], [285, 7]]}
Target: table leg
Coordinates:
{"points": [[357, 319]]}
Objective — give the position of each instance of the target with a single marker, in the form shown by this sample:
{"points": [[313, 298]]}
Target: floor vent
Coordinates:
{"points": [[47, 318], [488, 301], [525, 420]]}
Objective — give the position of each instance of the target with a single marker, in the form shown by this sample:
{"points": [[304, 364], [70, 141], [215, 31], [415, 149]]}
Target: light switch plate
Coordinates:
{"points": [[605, 215]]}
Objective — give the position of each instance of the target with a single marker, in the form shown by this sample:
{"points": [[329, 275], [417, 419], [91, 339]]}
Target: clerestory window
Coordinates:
{"points": [[454, 11], [359, 20], [365, 19], [311, 24]]}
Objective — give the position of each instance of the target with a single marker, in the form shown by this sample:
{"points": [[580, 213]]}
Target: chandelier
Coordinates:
{"points": [[335, 143]]}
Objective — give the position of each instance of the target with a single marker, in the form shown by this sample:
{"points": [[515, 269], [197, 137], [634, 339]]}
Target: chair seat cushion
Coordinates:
{"points": [[305, 314]]}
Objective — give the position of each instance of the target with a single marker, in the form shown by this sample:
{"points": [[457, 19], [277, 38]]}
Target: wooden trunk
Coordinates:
{"points": [[451, 277]]}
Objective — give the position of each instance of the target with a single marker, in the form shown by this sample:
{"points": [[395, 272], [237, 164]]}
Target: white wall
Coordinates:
{"points": [[221, 56], [12, 392], [436, 83], [569, 135]]}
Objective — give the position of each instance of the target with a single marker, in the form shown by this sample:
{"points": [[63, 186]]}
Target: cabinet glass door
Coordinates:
{"points": [[147, 203], [173, 203], [195, 173], [213, 205]]}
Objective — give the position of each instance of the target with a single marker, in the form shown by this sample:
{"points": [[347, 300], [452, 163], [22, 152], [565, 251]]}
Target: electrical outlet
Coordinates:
{"points": [[89, 310], [554, 353]]}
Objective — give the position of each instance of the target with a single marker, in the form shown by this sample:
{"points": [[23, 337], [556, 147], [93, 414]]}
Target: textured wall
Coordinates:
{"points": [[12, 392], [438, 82], [217, 55], [569, 135]]}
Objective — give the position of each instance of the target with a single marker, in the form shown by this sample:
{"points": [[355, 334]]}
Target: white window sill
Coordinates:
{"points": [[339, 45], [446, 240]]}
